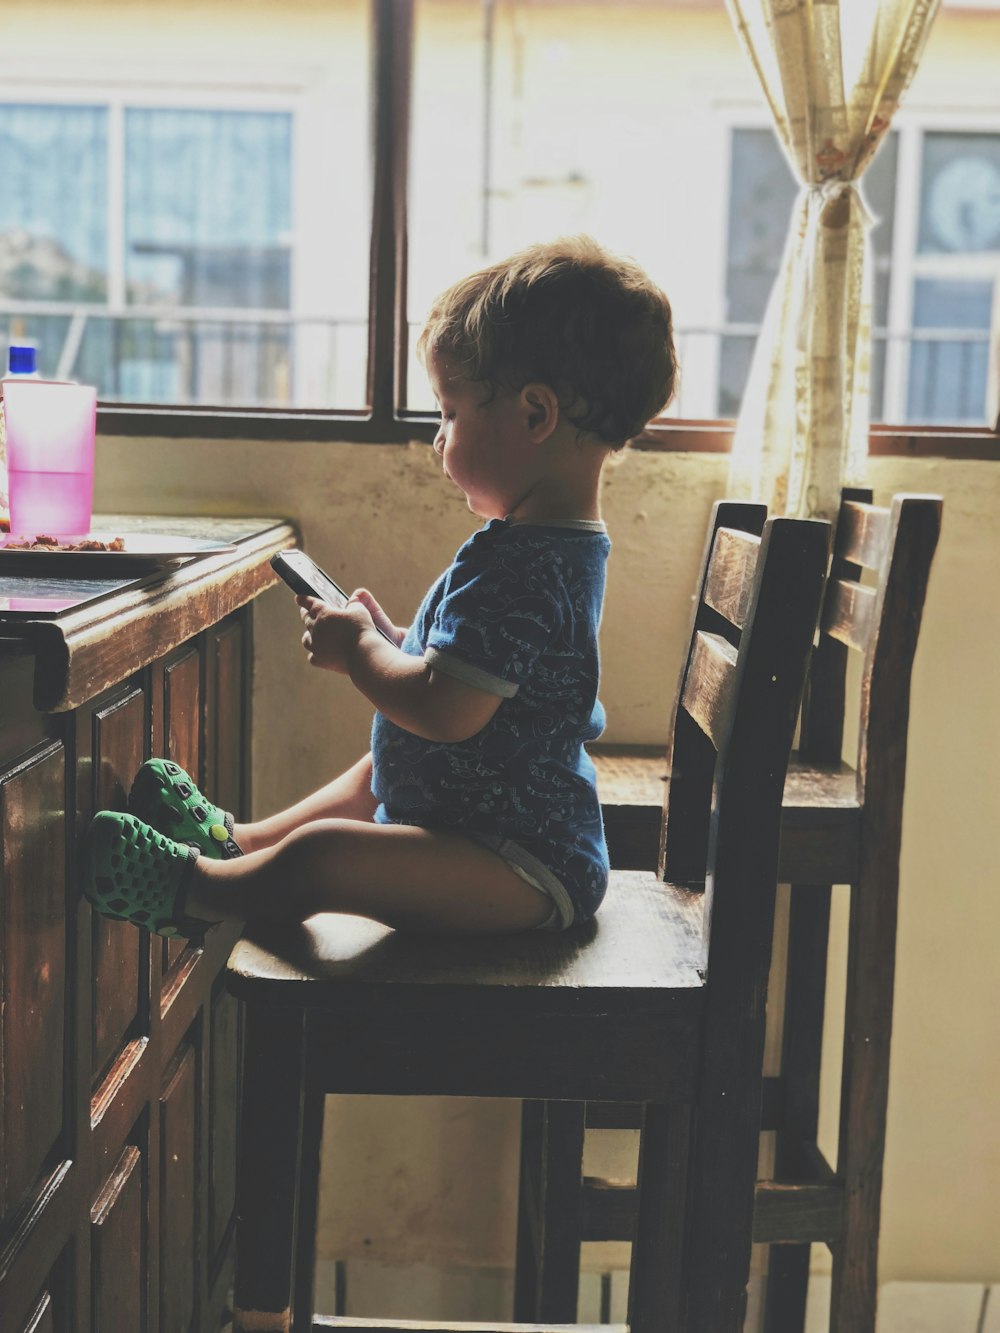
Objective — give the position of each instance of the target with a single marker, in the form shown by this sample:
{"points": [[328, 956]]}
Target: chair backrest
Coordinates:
{"points": [[737, 704], [734, 722], [880, 619], [690, 755]]}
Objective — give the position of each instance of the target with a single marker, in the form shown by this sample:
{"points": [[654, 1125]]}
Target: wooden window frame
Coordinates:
{"points": [[385, 422]]}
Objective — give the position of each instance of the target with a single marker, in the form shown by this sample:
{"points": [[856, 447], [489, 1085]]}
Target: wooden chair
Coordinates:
{"points": [[659, 1000], [840, 825]]}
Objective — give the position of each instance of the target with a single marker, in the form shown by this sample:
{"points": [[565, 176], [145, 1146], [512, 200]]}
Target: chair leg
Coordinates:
{"points": [[787, 1289], [308, 1176], [802, 1043], [854, 1286], [527, 1263], [864, 1093], [270, 1138], [656, 1281], [550, 1212]]}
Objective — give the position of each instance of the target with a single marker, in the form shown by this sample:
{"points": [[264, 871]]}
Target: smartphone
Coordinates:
{"points": [[305, 577]]}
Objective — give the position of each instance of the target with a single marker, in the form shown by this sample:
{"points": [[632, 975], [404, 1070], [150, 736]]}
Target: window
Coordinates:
{"points": [[762, 193], [167, 221], [186, 215], [205, 224], [937, 284], [955, 282]]}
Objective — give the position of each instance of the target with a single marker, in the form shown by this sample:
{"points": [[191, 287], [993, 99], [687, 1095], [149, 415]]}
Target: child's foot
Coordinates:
{"points": [[164, 796], [134, 873]]}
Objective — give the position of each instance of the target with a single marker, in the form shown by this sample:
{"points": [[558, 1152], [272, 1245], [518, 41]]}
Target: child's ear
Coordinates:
{"points": [[540, 406]]}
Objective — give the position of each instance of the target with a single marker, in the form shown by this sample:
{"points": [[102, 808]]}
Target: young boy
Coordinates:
{"points": [[475, 810]]}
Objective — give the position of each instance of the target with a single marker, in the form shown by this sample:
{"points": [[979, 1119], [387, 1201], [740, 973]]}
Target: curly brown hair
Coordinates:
{"points": [[565, 313]]}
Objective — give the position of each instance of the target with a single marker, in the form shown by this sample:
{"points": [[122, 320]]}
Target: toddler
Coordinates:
{"points": [[475, 810]]}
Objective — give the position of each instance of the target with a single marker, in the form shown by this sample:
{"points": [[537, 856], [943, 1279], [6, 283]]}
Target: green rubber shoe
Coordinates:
{"points": [[164, 796], [134, 873]]}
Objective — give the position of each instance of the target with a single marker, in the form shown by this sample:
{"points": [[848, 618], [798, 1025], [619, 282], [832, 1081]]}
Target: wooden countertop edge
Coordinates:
{"points": [[79, 656]]}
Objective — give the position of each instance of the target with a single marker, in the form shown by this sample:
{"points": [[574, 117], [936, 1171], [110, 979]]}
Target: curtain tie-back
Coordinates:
{"points": [[832, 202]]}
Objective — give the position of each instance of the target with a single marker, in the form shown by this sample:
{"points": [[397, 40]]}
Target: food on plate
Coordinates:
{"points": [[43, 542]]}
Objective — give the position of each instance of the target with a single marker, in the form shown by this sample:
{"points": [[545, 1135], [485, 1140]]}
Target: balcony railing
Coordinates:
{"points": [[248, 358]]}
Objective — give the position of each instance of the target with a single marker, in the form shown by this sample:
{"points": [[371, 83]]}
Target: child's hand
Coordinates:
{"points": [[331, 634], [396, 633]]}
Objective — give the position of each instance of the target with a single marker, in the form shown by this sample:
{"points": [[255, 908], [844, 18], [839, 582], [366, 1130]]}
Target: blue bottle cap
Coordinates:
{"points": [[21, 360]]}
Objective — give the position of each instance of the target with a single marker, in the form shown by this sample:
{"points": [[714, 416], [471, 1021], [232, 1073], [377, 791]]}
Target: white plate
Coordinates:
{"points": [[149, 547]]}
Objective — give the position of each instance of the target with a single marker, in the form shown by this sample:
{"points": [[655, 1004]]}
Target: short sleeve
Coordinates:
{"points": [[501, 608]]}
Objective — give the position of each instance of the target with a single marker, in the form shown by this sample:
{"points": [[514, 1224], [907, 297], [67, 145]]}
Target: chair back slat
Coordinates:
{"points": [[708, 685], [848, 613], [757, 581], [690, 752], [729, 584], [862, 534]]}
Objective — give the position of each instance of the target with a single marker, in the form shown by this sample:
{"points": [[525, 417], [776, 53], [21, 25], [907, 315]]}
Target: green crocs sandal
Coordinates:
{"points": [[134, 873], [164, 796]]}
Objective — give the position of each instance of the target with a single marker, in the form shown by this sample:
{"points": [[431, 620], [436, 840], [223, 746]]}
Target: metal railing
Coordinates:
{"points": [[189, 356]]}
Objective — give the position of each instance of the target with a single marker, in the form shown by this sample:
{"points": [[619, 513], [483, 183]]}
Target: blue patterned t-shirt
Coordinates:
{"points": [[516, 615]]}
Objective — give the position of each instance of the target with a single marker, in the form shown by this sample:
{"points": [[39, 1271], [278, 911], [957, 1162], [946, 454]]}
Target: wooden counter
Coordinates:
{"points": [[118, 1051]]}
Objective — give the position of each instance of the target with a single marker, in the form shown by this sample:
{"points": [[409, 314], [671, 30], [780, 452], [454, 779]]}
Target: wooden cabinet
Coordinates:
{"points": [[118, 1051]]}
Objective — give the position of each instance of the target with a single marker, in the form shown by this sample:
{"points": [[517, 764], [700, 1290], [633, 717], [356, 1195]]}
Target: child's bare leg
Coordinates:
{"points": [[348, 796], [409, 878]]}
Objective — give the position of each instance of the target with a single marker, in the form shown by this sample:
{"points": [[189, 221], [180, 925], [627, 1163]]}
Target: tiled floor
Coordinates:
{"points": [[920, 1307], [421, 1291]]}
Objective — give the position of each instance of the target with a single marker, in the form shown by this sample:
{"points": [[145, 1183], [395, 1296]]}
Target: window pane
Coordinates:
{"points": [[207, 224], [948, 371], [960, 194], [761, 194], [53, 226], [956, 285], [199, 231], [53, 219], [761, 199], [208, 207], [878, 188]]}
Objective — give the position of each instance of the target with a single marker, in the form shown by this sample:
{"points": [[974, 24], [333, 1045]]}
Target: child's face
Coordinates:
{"points": [[481, 441]]}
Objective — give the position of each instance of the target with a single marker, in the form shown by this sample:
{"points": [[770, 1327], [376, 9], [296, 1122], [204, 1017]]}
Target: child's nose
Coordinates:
{"points": [[439, 442]]}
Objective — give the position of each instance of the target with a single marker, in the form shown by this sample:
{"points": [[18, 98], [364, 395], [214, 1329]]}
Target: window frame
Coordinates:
{"points": [[385, 421]]}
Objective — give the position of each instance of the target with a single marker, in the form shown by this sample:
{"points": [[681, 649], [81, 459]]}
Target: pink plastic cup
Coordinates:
{"points": [[50, 456]]}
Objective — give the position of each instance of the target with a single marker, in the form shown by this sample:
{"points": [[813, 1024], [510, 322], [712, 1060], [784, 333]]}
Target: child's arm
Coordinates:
{"points": [[403, 688]]}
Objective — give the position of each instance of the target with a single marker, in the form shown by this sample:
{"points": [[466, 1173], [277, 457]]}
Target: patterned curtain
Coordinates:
{"points": [[833, 72]]}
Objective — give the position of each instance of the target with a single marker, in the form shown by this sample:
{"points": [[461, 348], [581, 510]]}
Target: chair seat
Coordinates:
{"points": [[516, 1008], [820, 813]]}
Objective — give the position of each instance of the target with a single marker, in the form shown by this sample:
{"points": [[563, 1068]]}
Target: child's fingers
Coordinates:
{"points": [[380, 618]]}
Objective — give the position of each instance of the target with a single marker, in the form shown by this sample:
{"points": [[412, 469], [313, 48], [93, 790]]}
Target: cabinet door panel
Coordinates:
{"points": [[118, 1245], [178, 1202], [182, 726], [32, 937], [120, 952], [223, 1055], [226, 774]]}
